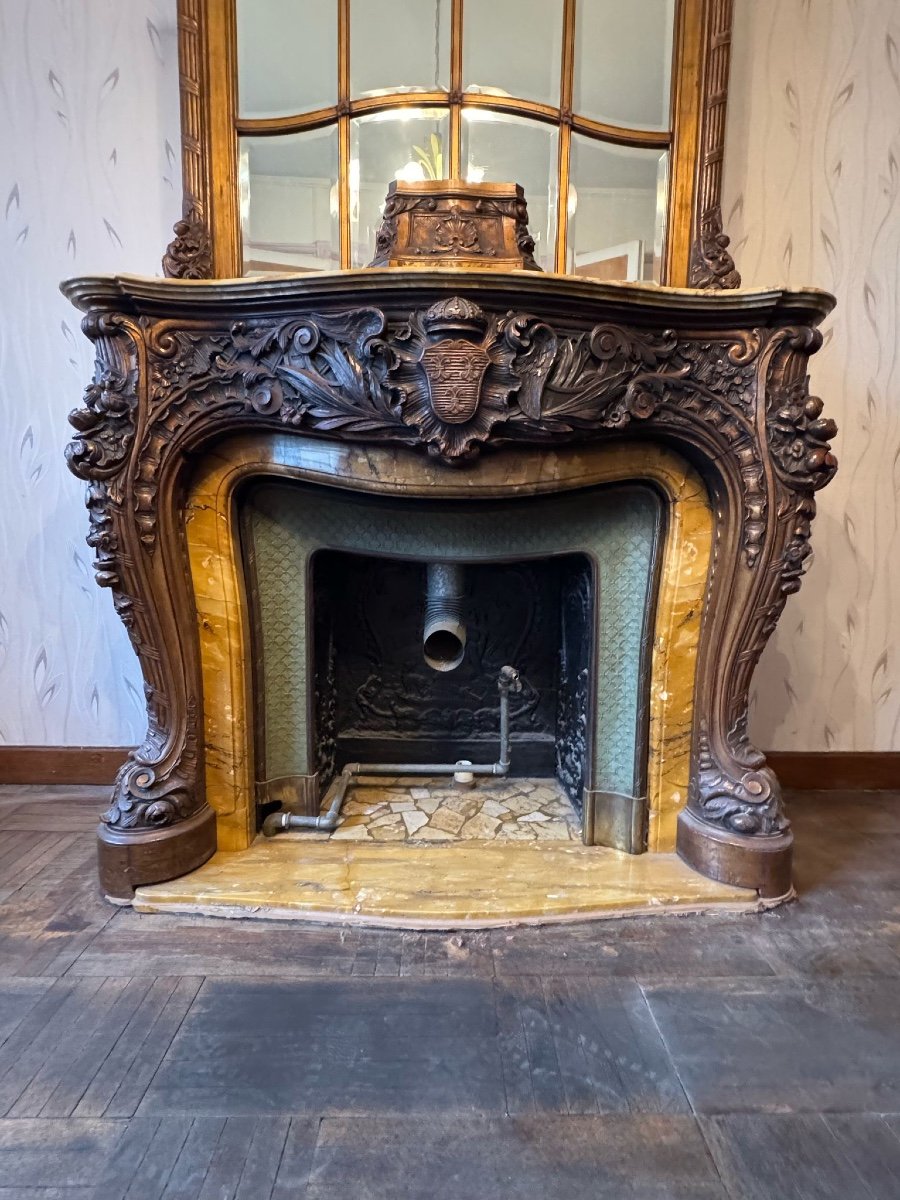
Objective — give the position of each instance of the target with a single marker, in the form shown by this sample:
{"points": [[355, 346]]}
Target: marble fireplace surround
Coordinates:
{"points": [[225, 637], [201, 384]]}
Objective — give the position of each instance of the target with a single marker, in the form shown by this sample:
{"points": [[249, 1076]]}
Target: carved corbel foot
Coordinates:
{"points": [[760, 863], [153, 831], [734, 828], [128, 859]]}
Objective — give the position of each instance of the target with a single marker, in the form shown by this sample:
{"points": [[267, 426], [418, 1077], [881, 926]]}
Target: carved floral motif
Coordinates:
{"points": [[799, 436], [711, 263], [189, 254], [102, 536], [797, 551]]}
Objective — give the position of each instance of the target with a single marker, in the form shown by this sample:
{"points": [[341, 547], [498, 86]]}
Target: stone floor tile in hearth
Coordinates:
{"points": [[390, 809]]}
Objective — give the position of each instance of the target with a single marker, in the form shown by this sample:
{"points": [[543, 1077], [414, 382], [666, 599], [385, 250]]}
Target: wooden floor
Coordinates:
{"points": [[714, 1058]]}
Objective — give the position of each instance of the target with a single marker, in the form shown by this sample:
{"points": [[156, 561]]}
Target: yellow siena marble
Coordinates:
{"points": [[474, 884], [222, 609]]}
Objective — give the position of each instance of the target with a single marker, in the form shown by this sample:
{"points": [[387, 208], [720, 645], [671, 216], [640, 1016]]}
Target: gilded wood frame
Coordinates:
{"points": [[207, 242]]}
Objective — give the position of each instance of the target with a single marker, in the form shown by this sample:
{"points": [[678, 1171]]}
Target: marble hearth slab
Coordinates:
{"points": [[473, 884]]}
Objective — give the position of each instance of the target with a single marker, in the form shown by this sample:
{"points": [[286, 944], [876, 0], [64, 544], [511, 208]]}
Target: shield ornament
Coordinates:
{"points": [[455, 370]]}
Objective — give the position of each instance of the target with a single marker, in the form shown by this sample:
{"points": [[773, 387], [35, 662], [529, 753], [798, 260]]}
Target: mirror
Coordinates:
{"points": [[298, 114]]}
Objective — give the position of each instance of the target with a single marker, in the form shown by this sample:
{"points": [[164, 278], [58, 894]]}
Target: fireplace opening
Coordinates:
{"points": [[382, 628], [379, 698]]}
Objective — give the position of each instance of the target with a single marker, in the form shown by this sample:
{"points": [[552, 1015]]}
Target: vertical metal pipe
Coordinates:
{"points": [[444, 634]]}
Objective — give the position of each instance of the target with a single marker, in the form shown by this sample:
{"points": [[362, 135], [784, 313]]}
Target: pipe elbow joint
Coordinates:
{"points": [[276, 822]]}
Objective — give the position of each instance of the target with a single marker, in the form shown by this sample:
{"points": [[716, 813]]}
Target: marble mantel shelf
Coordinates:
{"points": [[647, 304], [717, 377]]}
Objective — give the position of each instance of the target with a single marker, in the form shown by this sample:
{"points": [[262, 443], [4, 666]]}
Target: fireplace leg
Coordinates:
{"points": [[129, 859], [761, 863], [734, 828]]}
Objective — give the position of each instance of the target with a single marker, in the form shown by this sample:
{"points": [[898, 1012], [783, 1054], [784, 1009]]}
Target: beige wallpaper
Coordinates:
{"points": [[812, 195], [89, 182]]}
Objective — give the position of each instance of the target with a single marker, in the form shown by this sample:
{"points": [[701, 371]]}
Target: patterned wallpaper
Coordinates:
{"points": [[812, 195], [89, 182]]}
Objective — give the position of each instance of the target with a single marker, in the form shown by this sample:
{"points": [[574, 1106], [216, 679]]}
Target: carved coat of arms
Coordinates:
{"points": [[455, 371], [459, 368]]}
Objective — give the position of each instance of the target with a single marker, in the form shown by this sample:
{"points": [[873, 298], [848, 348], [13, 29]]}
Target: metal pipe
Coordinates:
{"points": [[444, 635], [508, 681], [278, 822]]}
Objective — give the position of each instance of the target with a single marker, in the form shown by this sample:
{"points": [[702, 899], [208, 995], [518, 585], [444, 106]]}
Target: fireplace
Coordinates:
{"points": [[613, 484]]}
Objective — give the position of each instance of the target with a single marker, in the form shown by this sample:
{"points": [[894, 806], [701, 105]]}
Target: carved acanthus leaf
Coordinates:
{"points": [[745, 801], [105, 424], [146, 795], [448, 378]]}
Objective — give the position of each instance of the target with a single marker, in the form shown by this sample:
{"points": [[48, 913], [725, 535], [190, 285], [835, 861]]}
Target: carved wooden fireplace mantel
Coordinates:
{"points": [[458, 366]]}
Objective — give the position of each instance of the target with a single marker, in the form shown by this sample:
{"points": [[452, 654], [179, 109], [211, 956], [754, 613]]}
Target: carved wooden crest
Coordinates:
{"points": [[455, 370]]}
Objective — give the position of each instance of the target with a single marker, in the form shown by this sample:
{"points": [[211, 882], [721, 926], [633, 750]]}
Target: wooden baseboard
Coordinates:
{"points": [[61, 764], [810, 770], [828, 771]]}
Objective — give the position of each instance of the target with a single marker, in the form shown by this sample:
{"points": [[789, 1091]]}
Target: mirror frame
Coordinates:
{"points": [[207, 242]]}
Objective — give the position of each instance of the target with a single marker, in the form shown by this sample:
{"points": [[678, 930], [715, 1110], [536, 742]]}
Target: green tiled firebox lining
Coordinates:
{"points": [[615, 525]]}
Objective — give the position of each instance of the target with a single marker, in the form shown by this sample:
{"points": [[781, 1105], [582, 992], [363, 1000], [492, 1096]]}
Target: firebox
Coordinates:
{"points": [[559, 587]]}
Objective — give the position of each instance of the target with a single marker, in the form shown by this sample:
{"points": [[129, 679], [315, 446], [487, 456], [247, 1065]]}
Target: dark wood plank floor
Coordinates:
{"points": [[723, 1058]]}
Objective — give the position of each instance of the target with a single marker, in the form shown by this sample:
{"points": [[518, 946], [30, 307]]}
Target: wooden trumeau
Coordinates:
{"points": [[454, 223]]}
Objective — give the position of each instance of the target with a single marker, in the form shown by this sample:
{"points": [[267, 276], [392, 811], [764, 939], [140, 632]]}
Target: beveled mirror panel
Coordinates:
{"points": [[286, 56], [623, 62], [382, 63], [404, 143], [500, 146], [617, 211], [289, 202], [512, 48]]}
